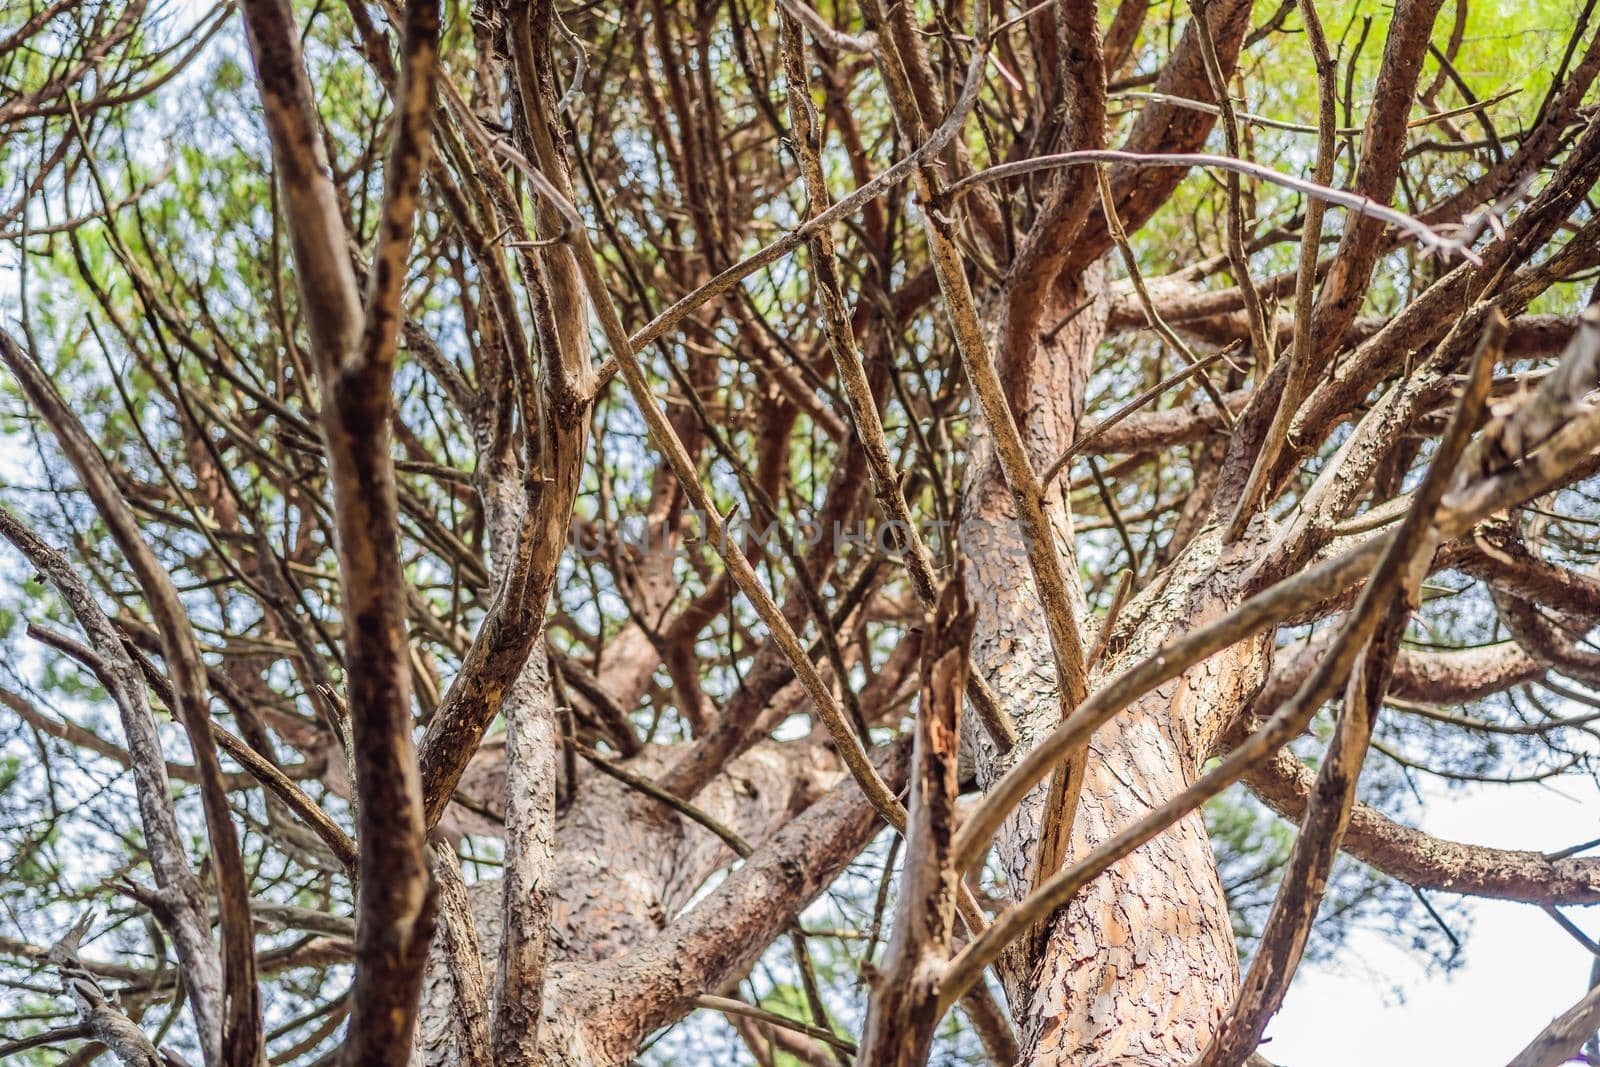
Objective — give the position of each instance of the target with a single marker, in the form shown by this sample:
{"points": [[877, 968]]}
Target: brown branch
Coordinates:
{"points": [[1035, 272], [1284, 783], [1027, 494], [354, 345], [738, 1007], [1394, 581], [1288, 925], [1382, 148], [235, 1032], [1557, 1043], [1261, 342], [900, 1020], [1300, 356]]}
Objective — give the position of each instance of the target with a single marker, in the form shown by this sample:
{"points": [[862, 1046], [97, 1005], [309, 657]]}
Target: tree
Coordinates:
{"points": [[918, 530]]}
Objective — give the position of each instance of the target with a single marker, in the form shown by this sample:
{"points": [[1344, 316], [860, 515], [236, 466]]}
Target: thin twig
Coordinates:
{"points": [[1078, 446], [749, 1011], [1425, 235], [1119, 235]]}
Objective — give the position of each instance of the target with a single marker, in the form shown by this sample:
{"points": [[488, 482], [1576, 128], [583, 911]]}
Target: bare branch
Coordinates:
{"points": [[238, 1034], [354, 346]]}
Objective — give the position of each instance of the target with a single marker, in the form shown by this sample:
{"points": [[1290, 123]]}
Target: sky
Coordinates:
{"points": [[1378, 1004]]}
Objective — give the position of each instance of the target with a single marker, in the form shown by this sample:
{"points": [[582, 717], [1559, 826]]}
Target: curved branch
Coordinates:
{"points": [[1419, 859], [1365, 207]]}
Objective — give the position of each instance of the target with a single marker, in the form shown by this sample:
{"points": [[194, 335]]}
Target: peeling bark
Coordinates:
{"points": [[623, 868], [1137, 968]]}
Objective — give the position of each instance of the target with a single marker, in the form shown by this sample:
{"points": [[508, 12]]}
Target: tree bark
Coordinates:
{"points": [[1138, 968], [623, 867]]}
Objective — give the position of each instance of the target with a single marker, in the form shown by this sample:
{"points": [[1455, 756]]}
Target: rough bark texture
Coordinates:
{"points": [[901, 1020], [624, 867], [1138, 968]]}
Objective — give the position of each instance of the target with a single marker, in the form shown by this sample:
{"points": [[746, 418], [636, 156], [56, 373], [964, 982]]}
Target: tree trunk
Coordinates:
{"points": [[1138, 968], [624, 866]]}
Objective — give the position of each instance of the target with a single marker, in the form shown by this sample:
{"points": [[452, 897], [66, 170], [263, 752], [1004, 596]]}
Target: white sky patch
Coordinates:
{"points": [[1377, 1003]]}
